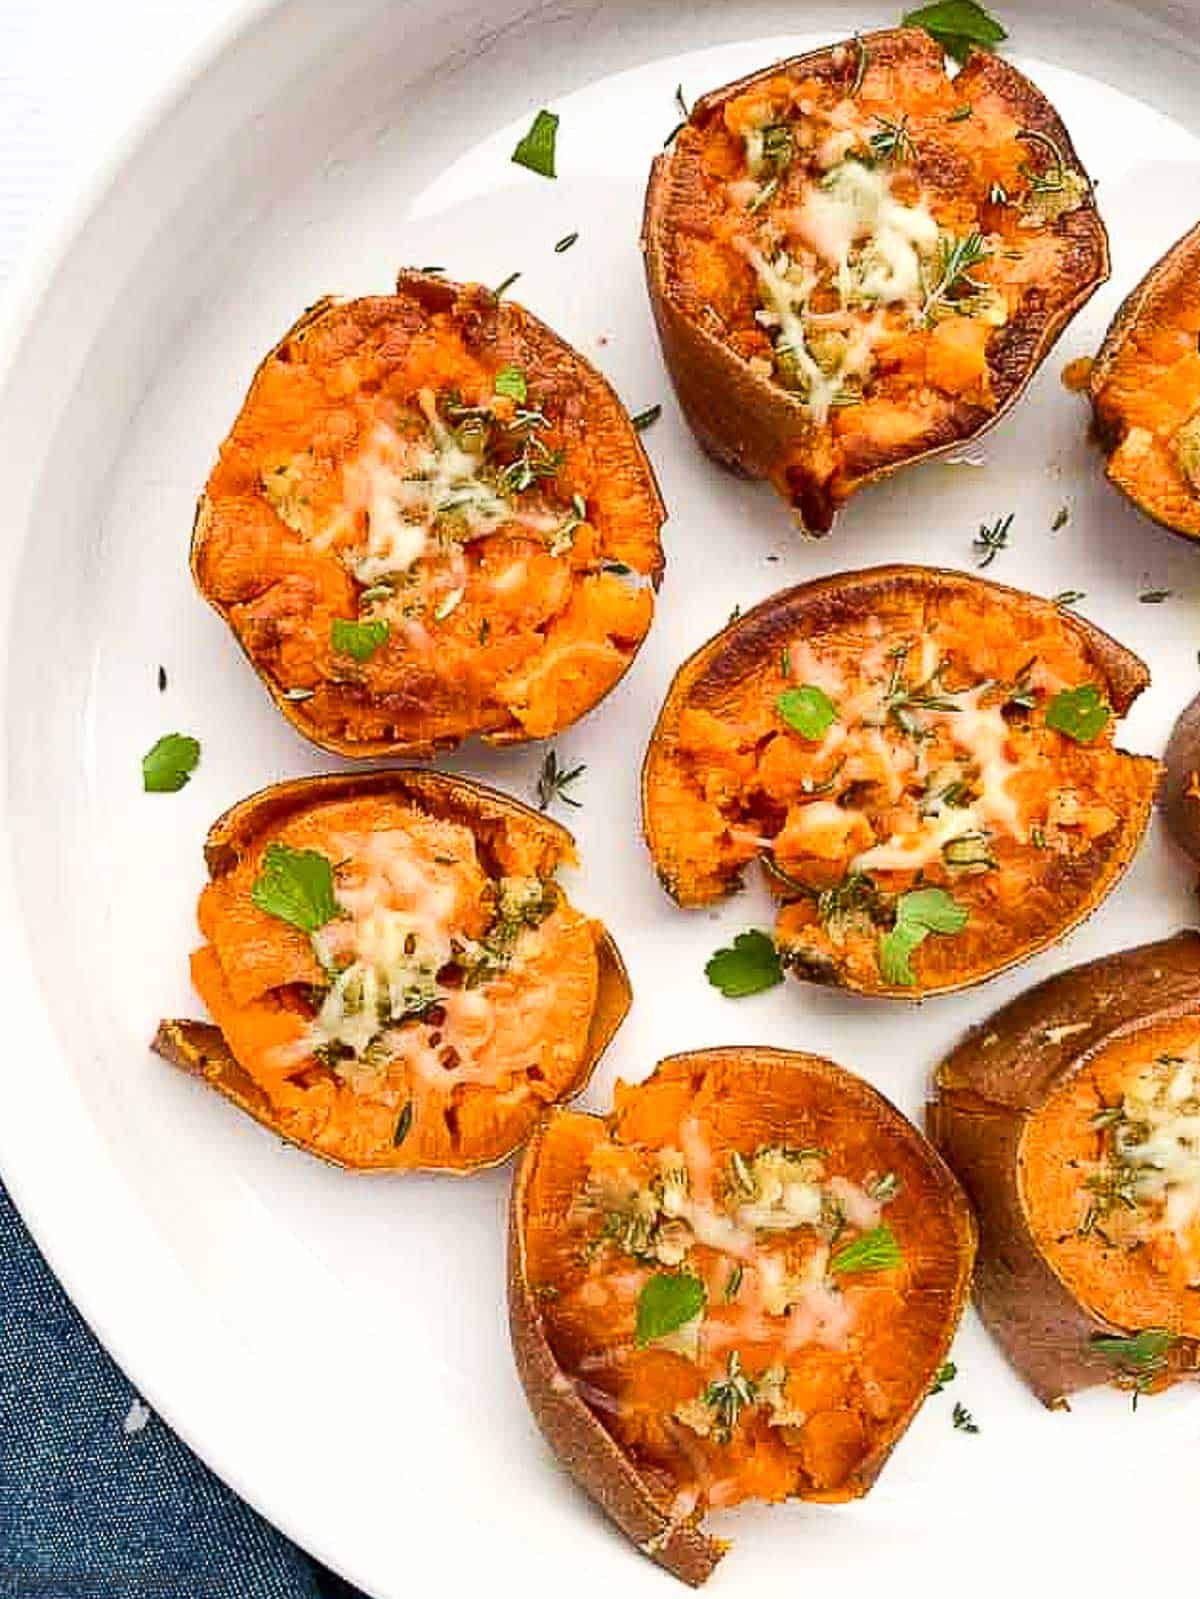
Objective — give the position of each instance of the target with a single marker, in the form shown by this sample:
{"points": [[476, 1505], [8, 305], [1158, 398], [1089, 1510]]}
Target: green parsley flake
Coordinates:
{"points": [[536, 149], [168, 765], [295, 886], [751, 966]]}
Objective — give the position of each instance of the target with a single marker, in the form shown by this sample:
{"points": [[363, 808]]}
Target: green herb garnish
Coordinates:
{"points": [[952, 282], [359, 639], [169, 763], [668, 1301], [943, 1376], [554, 780], [808, 710], [510, 381], [1068, 597], [892, 141], [727, 1396], [536, 149], [295, 886], [751, 966], [502, 288], [1081, 713], [919, 912], [964, 1421], [957, 25], [1154, 596], [874, 1251], [1061, 517], [991, 540], [162, 679], [646, 417], [402, 1125], [1139, 1359], [565, 243], [734, 1282]]}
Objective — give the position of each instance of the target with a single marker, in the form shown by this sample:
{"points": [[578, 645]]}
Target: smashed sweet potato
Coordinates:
{"points": [[921, 760], [855, 260], [1072, 1118], [432, 518], [1145, 391], [395, 980], [738, 1285]]}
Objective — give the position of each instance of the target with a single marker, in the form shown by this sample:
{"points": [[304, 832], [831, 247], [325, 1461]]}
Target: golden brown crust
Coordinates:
{"points": [[199, 1048], [710, 679], [988, 1088], [546, 356], [750, 423], [577, 1438]]}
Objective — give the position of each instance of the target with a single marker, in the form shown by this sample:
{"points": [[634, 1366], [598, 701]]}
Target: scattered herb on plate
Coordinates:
{"points": [[554, 781], [750, 966], [991, 540], [169, 763], [964, 1421], [537, 148]]}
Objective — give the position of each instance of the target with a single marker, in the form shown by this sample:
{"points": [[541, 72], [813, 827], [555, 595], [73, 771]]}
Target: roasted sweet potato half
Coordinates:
{"points": [[856, 261], [738, 1285], [1145, 391], [1180, 794], [1072, 1118], [432, 518], [395, 980], [921, 760]]}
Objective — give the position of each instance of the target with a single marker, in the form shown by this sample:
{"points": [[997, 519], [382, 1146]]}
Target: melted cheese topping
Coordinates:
{"points": [[854, 206], [1156, 1149]]}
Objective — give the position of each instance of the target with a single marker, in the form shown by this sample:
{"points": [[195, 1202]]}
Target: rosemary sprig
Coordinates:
{"points": [[953, 281], [892, 141], [726, 1397], [554, 781], [989, 541]]}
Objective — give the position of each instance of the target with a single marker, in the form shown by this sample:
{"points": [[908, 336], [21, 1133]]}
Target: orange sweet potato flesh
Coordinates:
{"points": [[727, 780], [1145, 391], [973, 150], [511, 626], [852, 1364], [1015, 1115], [458, 1086]]}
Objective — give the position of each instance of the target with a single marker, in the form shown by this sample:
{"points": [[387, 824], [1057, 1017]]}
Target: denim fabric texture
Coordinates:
{"points": [[98, 1498]]}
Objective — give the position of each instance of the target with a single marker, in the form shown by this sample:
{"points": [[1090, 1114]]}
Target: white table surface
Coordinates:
{"points": [[75, 77]]}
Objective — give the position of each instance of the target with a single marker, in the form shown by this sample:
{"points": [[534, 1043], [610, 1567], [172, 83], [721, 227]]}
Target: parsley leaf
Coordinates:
{"points": [[807, 709], [536, 149], [957, 25], [510, 381], [1140, 1352], [167, 765], [1080, 713], [750, 967], [944, 1375], [667, 1301], [918, 913], [874, 1251], [359, 639], [295, 886]]}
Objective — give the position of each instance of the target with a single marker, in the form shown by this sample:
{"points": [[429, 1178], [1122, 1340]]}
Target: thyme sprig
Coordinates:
{"points": [[953, 283], [990, 540]]}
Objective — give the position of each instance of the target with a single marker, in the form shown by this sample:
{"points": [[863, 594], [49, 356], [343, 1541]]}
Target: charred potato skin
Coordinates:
{"points": [[434, 294], [577, 1439], [748, 423], [1140, 305], [199, 1048], [986, 1091], [715, 668]]}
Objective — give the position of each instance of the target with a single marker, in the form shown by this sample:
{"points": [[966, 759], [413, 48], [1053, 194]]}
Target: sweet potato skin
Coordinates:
{"points": [[749, 423], [986, 1090], [576, 1437], [199, 1048], [713, 672], [1180, 795], [1146, 311], [547, 356]]}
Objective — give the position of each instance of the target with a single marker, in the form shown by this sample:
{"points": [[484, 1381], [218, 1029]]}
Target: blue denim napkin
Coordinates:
{"points": [[98, 1498]]}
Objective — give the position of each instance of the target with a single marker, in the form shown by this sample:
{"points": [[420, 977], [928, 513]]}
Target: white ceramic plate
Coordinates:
{"points": [[337, 1348]]}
